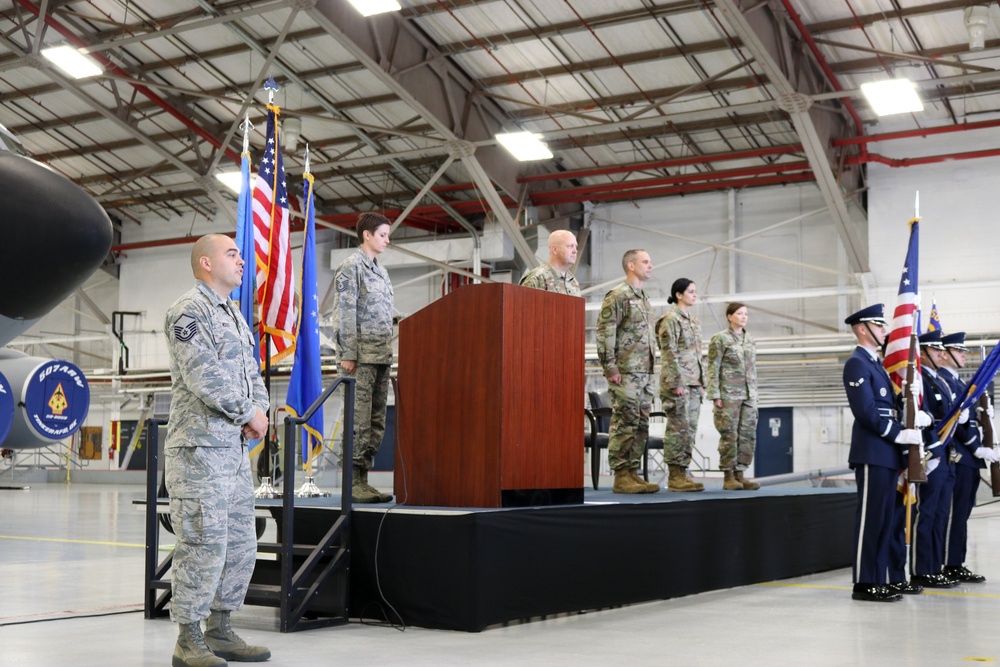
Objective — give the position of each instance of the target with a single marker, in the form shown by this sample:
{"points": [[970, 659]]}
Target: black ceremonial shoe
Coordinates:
{"points": [[962, 573], [933, 581], [905, 587], [874, 593]]}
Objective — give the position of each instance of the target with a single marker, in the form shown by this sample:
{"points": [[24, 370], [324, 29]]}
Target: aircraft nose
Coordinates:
{"points": [[54, 236]]}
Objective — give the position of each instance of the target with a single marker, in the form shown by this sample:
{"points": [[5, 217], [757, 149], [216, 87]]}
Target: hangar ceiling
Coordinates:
{"points": [[636, 99]]}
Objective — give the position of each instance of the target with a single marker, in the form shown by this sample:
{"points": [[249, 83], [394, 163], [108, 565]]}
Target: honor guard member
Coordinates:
{"points": [[554, 275], [970, 458], [625, 349], [682, 379], [875, 454], [930, 518], [218, 403], [362, 311]]}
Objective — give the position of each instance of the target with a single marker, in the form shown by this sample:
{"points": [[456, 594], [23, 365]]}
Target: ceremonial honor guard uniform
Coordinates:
{"points": [[966, 443], [876, 460], [933, 496]]}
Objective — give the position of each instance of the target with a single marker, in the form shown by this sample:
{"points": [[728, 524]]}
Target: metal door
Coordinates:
{"points": [[774, 442]]}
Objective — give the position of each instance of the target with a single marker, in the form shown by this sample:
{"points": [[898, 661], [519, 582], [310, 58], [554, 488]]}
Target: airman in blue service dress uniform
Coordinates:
{"points": [[933, 496], [875, 454], [970, 458]]}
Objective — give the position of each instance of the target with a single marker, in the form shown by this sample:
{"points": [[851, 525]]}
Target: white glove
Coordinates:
{"points": [[986, 454], [909, 436], [964, 416], [922, 419], [930, 466], [989, 410]]}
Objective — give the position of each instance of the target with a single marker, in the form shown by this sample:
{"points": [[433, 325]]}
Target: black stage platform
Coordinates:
{"points": [[468, 569]]}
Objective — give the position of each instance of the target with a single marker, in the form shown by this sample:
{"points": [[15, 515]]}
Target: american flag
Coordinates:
{"points": [[897, 350], [275, 283]]}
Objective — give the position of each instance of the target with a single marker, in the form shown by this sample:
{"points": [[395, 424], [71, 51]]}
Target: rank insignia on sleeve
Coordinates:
{"points": [[185, 328], [342, 281]]}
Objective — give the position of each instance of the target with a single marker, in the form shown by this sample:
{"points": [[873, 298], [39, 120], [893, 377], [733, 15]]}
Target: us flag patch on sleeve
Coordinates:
{"points": [[185, 328]]}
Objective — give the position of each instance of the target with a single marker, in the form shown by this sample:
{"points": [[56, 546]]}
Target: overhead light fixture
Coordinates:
{"points": [[71, 61], [372, 7], [524, 146], [892, 96], [231, 179], [977, 18]]}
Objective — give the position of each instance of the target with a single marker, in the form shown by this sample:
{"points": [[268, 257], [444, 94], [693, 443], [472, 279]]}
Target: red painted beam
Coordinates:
{"points": [[919, 132]]}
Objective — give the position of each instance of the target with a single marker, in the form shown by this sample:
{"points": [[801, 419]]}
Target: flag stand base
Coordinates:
{"points": [[266, 490], [310, 490]]}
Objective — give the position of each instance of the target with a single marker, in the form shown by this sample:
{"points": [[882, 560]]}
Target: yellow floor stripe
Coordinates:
{"points": [[67, 541], [952, 593]]}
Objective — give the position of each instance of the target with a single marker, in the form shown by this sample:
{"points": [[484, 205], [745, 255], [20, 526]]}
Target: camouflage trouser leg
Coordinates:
{"points": [[371, 392], [736, 422], [631, 402], [211, 510], [682, 425]]}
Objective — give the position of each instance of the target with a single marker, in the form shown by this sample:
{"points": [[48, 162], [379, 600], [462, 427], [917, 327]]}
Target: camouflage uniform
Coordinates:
{"points": [[217, 389], [625, 345], [362, 311], [732, 378], [679, 336], [546, 277]]}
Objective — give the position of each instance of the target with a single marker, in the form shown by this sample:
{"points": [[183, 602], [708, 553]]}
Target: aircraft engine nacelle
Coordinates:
{"points": [[49, 400]]}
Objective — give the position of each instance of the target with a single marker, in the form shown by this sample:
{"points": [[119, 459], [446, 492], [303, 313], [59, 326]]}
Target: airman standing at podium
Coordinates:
{"points": [[877, 438], [362, 311], [625, 347], [554, 275]]}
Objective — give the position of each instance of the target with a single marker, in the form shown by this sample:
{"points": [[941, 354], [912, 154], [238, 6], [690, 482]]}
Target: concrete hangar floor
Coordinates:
{"points": [[71, 594]]}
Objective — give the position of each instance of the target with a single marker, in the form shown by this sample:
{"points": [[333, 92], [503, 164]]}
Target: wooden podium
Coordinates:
{"points": [[490, 400]]}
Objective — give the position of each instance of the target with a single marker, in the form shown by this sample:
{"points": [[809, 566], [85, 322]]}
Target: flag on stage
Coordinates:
{"points": [[275, 283], [897, 350], [306, 385], [977, 385], [933, 322], [246, 293]]}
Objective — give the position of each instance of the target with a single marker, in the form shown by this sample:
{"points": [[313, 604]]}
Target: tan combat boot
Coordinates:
{"points": [[647, 487], [730, 483], [625, 484], [678, 481], [698, 485], [381, 497], [227, 644], [748, 485], [191, 649], [360, 491]]}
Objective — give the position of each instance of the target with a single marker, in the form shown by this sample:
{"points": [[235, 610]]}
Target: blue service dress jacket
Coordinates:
{"points": [[937, 402], [873, 403], [967, 438]]}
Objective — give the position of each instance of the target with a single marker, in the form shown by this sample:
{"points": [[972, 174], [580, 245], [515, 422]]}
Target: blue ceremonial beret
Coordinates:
{"points": [[955, 340], [870, 314], [931, 339]]}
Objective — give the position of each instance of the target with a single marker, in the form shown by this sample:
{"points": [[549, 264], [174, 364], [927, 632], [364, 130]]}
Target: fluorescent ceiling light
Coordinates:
{"points": [[525, 146], [231, 179], [71, 61], [371, 7], [892, 96]]}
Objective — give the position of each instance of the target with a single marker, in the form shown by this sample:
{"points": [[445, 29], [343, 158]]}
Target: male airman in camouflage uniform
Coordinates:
{"points": [[362, 311], [681, 380], [554, 276], [625, 348], [218, 402], [732, 387]]}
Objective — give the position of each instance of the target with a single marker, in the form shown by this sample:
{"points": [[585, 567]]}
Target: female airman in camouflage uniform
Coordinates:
{"points": [[362, 311], [732, 386], [681, 380]]}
